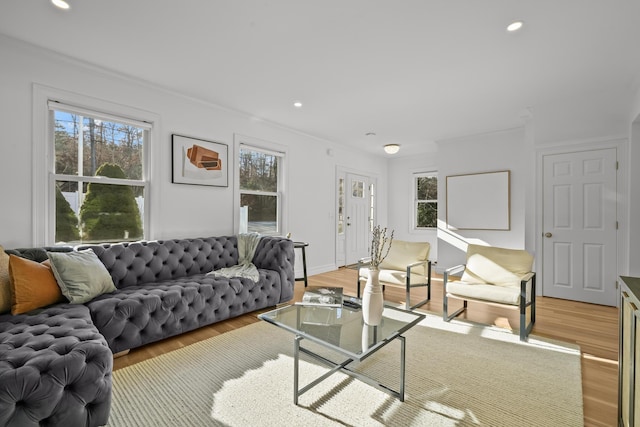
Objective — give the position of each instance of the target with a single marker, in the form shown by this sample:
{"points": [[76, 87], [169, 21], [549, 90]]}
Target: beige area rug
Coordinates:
{"points": [[458, 374]]}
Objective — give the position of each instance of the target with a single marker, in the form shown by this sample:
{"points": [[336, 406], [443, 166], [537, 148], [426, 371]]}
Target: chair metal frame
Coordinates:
{"points": [[525, 329], [364, 262]]}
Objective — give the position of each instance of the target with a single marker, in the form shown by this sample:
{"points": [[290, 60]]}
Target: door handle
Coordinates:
{"points": [[547, 234]]}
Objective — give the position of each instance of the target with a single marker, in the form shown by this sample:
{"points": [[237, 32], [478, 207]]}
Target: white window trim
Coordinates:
{"points": [[413, 202], [43, 157], [283, 177]]}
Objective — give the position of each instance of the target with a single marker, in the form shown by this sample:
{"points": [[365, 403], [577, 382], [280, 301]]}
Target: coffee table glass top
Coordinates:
{"points": [[343, 328]]}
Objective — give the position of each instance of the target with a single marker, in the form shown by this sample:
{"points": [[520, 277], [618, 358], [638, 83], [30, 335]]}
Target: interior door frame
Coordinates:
{"points": [[622, 196]]}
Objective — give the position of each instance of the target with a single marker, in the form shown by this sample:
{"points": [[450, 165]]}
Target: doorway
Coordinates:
{"points": [[579, 226], [356, 201]]}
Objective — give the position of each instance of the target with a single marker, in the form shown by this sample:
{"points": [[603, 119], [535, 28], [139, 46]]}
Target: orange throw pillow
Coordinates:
{"points": [[33, 285]]}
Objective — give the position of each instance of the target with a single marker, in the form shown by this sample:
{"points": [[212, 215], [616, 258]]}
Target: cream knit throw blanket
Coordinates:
{"points": [[247, 244]]}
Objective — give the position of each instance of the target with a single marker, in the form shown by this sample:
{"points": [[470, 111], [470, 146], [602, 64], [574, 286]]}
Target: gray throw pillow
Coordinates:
{"points": [[81, 275]]}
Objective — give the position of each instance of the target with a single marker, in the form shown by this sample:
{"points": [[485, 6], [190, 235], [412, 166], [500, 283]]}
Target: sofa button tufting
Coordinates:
{"points": [[172, 301]]}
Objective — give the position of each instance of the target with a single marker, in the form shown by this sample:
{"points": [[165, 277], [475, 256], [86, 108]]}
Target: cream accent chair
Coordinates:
{"points": [[407, 265], [495, 276]]}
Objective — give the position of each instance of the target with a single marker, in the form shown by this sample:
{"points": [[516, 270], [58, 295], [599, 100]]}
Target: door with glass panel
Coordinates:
{"points": [[359, 210]]}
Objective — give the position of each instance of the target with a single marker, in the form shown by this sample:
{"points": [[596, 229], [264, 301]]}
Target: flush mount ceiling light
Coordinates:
{"points": [[60, 4], [391, 148], [514, 26], [297, 104]]}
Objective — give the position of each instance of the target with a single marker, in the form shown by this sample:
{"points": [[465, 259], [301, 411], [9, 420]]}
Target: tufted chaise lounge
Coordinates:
{"points": [[56, 362]]}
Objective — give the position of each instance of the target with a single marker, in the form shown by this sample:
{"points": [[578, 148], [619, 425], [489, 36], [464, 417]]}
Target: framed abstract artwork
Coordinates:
{"points": [[199, 162]]}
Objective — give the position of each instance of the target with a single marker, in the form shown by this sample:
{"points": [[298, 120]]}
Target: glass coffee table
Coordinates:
{"points": [[342, 330]]}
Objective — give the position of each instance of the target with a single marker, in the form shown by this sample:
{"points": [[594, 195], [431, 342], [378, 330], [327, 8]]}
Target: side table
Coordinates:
{"points": [[302, 246]]}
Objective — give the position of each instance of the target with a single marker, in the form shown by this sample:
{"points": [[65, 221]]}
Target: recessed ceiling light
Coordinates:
{"points": [[514, 26], [297, 104], [60, 3]]}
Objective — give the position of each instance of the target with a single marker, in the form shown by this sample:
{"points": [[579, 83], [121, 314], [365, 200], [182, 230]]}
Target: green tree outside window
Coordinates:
{"points": [[426, 201], [66, 220], [110, 212]]}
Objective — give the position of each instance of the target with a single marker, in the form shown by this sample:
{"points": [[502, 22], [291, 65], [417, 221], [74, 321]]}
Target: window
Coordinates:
{"points": [[98, 188], [261, 189], [357, 189], [425, 200]]}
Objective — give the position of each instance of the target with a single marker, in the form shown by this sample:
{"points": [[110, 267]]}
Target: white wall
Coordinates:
{"points": [[400, 191], [177, 210], [496, 151], [579, 117]]}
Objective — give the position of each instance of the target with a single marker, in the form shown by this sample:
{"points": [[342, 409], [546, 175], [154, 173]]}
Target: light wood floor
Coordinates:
{"points": [[594, 328]]}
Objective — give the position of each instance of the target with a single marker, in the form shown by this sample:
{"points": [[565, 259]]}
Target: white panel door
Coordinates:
{"points": [[358, 199], [579, 226]]}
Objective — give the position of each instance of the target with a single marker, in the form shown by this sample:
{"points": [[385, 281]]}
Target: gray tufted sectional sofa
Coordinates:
{"points": [[56, 362]]}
